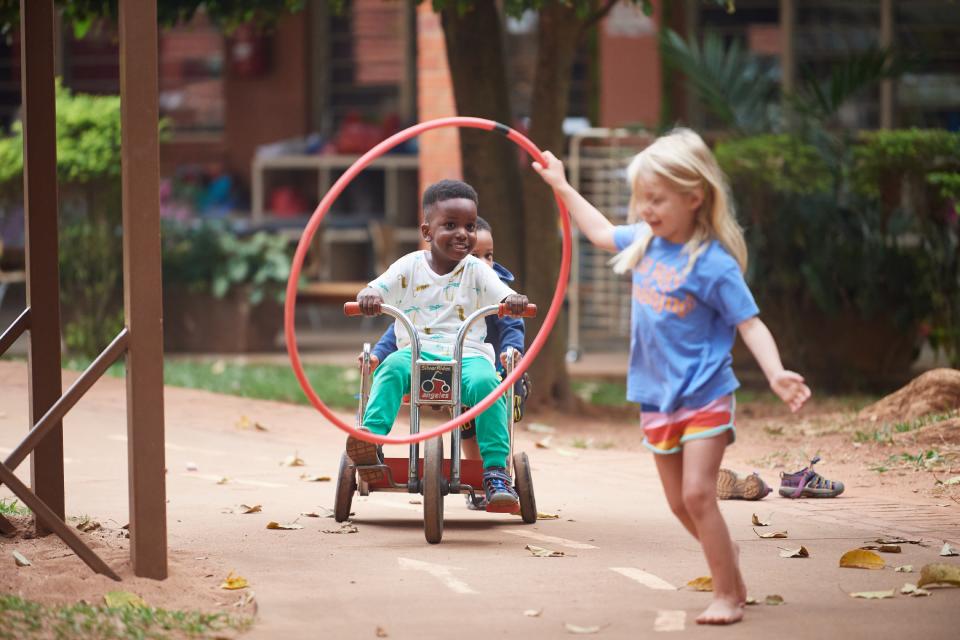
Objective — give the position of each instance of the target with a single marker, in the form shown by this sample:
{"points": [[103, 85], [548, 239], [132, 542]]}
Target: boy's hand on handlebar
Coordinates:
{"points": [[374, 361], [517, 303], [551, 172], [370, 300], [516, 358]]}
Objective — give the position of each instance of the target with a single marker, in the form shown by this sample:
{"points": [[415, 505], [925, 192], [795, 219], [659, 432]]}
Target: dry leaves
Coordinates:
{"points": [[578, 630], [289, 526], [381, 632], [947, 550], [540, 552], [773, 600], [885, 548], [245, 423], [799, 552], [21, 560], [861, 559], [233, 582], [533, 613], [306, 477], [223, 480], [896, 540], [251, 508], [544, 443], [939, 573], [771, 534], [346, 527], [117, 599], [873, 595], [703, 583], [293, 461], [906, 568], [913, 590], [757, 522], [87, 525], [310, 514]]}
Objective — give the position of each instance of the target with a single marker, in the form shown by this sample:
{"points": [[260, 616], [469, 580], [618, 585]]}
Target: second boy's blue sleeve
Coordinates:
{"points": [[511, 333], [386, 345]]}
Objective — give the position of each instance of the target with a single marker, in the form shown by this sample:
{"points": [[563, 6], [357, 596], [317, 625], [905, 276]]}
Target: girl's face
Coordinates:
{"points": [[671, 213], [484, 247]]}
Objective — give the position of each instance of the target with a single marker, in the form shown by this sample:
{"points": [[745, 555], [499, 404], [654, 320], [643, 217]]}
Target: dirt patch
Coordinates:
{"points": [[935, 391], [58, 576]]}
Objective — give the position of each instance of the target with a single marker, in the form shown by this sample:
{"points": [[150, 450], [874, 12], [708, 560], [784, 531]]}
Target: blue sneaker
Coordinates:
{"points": [[498, 485]]}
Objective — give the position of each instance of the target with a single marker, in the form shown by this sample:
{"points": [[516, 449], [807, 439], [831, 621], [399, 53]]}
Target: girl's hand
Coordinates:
{"points": [[370, 300], [552, 173], [791, 388]]}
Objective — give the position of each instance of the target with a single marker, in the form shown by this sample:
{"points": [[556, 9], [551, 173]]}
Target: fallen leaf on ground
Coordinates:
{"points": [[287, 526], [192, 466], [757, 522], [293, 461], [540, 552], [771, 534], [873, 595], [117, 599], [346, 527], [947, 550], [243, 423], [939, 573], [536, 427], [576, 629], [913, 590], [245, 599], [703, 583], [896, 540], [251, 509], [21, 560], [533, 613], [260, 427], [310, 514], [773, 600], [381, 632], [87, 525], [416, 502], [799, 552], [233, 582], [906, 568], [223, 480], [861, 559], [306, 477], [544, 443], [953, 480], [885, 548], [750, 601], [547, 516]]}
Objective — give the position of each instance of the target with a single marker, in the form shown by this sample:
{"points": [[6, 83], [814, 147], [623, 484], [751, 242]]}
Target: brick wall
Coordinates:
{"points": [[439, 149]]}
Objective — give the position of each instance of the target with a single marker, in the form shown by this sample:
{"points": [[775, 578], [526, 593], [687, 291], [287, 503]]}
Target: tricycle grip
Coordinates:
{"points": [[352, 309], [529, 312]]}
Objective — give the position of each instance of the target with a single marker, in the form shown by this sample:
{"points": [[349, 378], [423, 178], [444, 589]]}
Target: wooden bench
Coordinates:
{"points": [[331, 292]]}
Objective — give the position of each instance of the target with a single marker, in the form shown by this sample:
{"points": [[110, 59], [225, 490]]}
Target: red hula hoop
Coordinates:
{"points": [[314, 223]]}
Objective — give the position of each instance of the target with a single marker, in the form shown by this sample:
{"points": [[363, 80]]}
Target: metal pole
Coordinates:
{"points": [[886, 85], [43, 271], [142, 286]]}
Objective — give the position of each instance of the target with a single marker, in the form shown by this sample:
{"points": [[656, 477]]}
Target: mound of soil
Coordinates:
{"points": [[936, 391]]}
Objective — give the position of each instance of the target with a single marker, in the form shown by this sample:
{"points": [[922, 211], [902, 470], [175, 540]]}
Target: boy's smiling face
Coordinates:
{"points": [[450, 226]]}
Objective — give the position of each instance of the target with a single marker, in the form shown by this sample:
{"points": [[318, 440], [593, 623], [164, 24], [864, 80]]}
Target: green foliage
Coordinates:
{"points": [[732, 83], [783, 163], [88, 141], [209, 256], [27, 620], [885, 154], [947, 185], [91, 285], [12, 508]]}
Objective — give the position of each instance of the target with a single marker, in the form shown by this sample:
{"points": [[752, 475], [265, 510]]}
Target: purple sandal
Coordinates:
{"points": [[807, 483]]}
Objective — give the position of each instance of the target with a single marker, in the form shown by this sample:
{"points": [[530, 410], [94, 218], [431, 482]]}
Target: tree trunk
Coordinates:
{"points": [[558, 34], [477, 67]]}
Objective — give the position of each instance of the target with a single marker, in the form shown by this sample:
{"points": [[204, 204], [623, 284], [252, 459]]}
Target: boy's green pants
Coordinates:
{"points": [[391, 381]]}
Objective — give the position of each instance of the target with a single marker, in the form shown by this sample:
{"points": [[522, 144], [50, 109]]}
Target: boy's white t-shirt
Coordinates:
{"points": [[438, 304]]}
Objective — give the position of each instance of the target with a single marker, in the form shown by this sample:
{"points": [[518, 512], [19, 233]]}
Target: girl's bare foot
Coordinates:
{"points": [[721, 611]]}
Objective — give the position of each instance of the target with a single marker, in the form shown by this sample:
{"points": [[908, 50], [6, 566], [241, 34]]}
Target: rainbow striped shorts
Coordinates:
{"points": [[666, 432]]}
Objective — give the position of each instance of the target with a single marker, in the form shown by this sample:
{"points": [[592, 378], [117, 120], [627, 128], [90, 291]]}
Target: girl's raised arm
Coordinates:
{"points": [[592, 223]]}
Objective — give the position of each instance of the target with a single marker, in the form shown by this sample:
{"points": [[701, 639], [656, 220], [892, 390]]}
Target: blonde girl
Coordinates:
{"points": [[687, 256]]}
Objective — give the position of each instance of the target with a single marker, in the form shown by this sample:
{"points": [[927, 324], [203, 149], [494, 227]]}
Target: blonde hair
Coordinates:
{"points": [[684, 161]]}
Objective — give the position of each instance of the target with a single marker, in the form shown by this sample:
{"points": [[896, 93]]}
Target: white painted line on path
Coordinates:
{"points": [[644, 578], [563, 542], [670, 620], [440, 572], [216, 478]]}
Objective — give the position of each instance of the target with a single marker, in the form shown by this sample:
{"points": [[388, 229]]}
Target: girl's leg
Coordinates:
{"points": [[701, 462], [670, 468]]}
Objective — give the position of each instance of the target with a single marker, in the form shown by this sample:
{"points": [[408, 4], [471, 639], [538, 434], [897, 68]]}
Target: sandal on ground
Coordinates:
{"points": [[732, 486], [807, 483], [363, 453]]}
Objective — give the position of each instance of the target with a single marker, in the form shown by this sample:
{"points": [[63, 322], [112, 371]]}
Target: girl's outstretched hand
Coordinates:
{"points": [[552, 173], [791, 388]]}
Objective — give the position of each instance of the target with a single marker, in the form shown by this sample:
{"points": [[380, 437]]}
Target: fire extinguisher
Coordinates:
{"points": [[249, 52]]}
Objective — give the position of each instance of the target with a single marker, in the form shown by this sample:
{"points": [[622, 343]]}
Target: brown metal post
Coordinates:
{"points": [[142, 286], [43, 272]]}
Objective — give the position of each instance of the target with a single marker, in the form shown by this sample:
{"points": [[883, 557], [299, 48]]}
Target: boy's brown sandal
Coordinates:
{"points": [[731, 486]]}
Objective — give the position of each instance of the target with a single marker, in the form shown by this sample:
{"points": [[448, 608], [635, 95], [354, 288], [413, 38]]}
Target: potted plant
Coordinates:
{"points": [[222, 291]]}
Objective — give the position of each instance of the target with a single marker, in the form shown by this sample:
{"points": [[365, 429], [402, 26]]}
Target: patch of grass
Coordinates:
{"points": [[12, 508], [885, 433], [601, 392], [922, 460], [581, 443], [336, 385], [27, 620]]}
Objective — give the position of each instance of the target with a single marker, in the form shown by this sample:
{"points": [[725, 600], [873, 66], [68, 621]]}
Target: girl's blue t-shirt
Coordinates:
{"points": [[683, 328]]}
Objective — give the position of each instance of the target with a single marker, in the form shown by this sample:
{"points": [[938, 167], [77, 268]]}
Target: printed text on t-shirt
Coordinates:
{"points": [[656, 281]]}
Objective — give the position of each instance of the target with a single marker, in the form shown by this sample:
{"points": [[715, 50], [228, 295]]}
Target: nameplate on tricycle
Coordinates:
{"points": [[436, 382]]}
